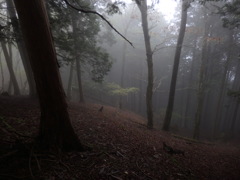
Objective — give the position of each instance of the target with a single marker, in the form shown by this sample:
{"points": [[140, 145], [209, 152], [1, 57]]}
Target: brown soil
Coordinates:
{"points": [[122, 148]]}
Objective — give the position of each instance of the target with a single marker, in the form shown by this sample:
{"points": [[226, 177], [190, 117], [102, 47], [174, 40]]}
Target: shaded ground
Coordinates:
{"points": [[122, 148]]}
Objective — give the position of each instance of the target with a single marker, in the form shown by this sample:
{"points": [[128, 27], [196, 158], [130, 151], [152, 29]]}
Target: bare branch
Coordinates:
{"points": [[159, 46], [156, 49], [101, 16], [159, 83]]}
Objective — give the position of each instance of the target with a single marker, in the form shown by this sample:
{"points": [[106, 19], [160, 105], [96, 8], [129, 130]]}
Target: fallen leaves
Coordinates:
{"points": [[122, 148]]}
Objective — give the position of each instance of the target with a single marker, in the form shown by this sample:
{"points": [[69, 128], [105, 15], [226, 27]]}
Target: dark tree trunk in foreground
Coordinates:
{"points": [[56, 130], [10, 68], [168, 116], [142, 5], [21, 47]]}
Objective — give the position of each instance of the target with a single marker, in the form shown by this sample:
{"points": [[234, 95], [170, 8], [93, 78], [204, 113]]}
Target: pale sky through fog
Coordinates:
{"points": [[167, 7]]}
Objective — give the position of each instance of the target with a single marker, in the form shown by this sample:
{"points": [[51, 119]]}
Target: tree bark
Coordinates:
{"points": [[10, 68], [21, 47], [168, 116], [142, 5], [56, 130]]}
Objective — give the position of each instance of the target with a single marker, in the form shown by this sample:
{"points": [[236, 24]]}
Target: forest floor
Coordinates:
{"points": [[122, 148]]}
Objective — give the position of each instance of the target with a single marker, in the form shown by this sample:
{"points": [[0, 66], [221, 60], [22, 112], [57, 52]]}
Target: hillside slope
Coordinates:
{"points": [[122, 148]]}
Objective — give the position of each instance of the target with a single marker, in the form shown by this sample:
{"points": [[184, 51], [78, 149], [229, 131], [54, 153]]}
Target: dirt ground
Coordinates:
{"points": [[122, 148]]}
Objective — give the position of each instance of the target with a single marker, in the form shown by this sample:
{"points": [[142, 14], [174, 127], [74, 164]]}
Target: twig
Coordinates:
{"points": [[158, 49], [13, 177], [113, 172], [116, 177], [171, 150], [160, 83], [29, 163], [143, 171], [101, 16], [7, 141], [15, 132], [120, 154], [39, 167], [65, 165], [8, 154], [109, 155]]}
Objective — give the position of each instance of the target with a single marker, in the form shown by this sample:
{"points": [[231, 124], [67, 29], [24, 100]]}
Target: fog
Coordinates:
{"points": [[115, 73]]}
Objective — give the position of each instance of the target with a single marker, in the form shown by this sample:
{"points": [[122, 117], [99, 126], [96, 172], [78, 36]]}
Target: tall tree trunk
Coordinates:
{"points": [[56, 130], [142, 5], [222, 88], [79, 78], [198, 114], [123, 62], [231, 103], [190, 84], [201, 84], [21, 48], [77, 59], [234, 118], [10, 68], [69, 89], [168, 116], [123, 68], [140, 97], [182, 96], [236, 103], [10, 85]]}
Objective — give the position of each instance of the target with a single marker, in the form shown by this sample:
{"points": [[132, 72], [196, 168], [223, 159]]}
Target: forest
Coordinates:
{"points": [[119, 89]]}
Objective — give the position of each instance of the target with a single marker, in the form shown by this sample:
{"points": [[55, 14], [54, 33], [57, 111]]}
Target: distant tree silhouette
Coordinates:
{"points": [[13, 78], [142, 5], [21, 47], [168, 116]]}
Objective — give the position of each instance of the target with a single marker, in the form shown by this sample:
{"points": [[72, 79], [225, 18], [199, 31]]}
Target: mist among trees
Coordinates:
{"points": [[179, 70]]}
